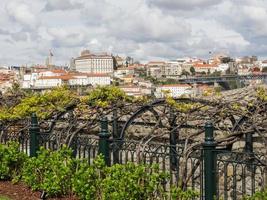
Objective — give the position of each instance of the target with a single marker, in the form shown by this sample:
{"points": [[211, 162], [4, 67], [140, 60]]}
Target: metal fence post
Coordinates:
{"points": [[115, 135], [173, 140], [209, 147], [249, 143], [74, 146], [34, 135], [104, 141]]}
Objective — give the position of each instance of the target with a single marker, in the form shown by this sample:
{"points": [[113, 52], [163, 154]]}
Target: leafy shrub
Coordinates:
{"points": [[259, 195], [104, 96], [86, 181], [50, 171], [11, 161], [178, 193], [43, 104], [58, 173], [127, 181]]}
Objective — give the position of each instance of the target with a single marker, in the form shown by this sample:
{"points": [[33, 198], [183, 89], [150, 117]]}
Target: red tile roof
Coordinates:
{"points": [[198, 65]]}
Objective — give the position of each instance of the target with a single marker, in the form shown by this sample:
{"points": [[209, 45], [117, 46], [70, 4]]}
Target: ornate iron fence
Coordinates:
{"points": [[214, 173], [239, 174]]}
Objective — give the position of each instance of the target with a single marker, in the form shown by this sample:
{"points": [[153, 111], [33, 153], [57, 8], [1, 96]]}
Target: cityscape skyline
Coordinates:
{"points": [[145, 30]]}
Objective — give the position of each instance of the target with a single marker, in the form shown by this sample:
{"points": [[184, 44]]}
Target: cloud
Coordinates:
{"points": [[62, 5], [21, 13], [65, 37], [143, 29], [4, 32], [182, 5], [19, 36]]}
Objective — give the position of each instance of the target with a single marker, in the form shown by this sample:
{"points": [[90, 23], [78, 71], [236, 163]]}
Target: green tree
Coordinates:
{"points": [[192, 70], [105, 96], [185, 73], [43, 104]]}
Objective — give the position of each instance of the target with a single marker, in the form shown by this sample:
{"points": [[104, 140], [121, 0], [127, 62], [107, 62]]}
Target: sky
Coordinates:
{"points": [[143, 29]]}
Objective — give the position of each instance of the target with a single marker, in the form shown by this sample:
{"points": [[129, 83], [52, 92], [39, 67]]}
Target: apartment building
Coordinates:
{"points": [[94, 63]]}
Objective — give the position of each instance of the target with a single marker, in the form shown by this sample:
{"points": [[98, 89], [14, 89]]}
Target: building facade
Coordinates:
{"points": [[174, 90], [92, 63], [54, 78]]}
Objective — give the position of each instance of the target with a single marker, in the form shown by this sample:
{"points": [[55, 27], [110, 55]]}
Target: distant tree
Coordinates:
{"points": [[115, 64], [185, 73], [208, 72], [129, 60], [216, 73], [203, 73], [226, 59], [192, 70]]}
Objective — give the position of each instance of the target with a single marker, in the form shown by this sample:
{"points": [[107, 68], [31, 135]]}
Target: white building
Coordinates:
{"points": [[155, 68], [48, 82], [263, 64], [121, 72], [54, 78], [90, 79], [135, 91], [207, 68], [92, 63], [223, 67], [55, 72], [172, 68], [37, 79], [174, 90]]}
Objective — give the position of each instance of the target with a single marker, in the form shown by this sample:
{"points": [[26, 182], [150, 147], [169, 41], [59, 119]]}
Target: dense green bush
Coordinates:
{"points": [[178, 193], [119, 182], [50, 171], [259, 195], [58, 173], [11, 161]]}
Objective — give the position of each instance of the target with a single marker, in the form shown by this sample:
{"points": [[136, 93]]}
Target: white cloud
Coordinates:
{"points": [[21, 13], [143, 29], [62, 5], [180, 5]]}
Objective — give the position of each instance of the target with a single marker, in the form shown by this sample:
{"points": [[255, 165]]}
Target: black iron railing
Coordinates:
{"points": [[214, 173]]}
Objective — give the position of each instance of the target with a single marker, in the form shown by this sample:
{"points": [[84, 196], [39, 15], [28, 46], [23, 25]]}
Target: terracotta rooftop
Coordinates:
{"points": [[197, 65]]}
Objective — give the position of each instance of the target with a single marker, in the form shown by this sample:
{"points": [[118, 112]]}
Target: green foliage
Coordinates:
{"points": [[142, 99], [15, 89], [50, 171], [259, 195], [4, 198], [181, 106], [153, 80], [11, 161], [192, 70], [185, 73], [217, 91], [104, 96], [42, 104], [118, 182], [262, 93], [179, 194], [58, 173], [86, 181]]}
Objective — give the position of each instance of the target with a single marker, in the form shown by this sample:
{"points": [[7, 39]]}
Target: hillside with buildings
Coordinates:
{"points": [[153, 78]]}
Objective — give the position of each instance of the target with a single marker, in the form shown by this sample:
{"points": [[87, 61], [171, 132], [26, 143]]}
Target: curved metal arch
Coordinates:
{"points": [[148, 107]]}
